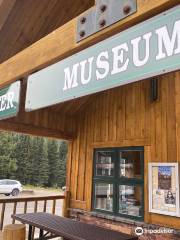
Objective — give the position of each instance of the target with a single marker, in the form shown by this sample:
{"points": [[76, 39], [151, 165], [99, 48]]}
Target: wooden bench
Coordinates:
{"points": [[67, 228]]}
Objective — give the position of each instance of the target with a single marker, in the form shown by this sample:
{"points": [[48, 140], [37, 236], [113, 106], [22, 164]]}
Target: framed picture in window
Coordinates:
{"points": [[164, 188]]}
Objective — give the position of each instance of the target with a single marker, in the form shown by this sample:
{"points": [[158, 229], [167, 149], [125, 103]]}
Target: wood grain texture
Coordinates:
{"points": [[137, 122], [35, 130], [14, 232], [177, 111], [44, 122], [23, 22], [5, 9], [120, 117], [62, 41]]}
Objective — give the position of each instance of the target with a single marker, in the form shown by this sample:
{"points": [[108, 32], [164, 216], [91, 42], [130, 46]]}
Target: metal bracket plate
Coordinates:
{"points": [[104, 14]]}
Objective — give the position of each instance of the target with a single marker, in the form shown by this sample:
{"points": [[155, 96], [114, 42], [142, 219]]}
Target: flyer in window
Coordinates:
{"points": [[164, 188]]}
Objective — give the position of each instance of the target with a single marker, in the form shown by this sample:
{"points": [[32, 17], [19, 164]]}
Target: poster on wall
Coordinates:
{"points": [[164, 188]]}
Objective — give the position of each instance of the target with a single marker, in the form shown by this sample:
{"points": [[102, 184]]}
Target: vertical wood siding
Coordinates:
{"points": [[125, 116]]}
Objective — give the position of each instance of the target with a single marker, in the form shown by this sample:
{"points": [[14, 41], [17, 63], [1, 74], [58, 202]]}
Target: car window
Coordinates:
{"points": [[6, 182], [10, 182], [2, 182], [13, 182]]}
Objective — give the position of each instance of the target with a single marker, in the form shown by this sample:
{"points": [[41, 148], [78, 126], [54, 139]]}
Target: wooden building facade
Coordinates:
{"points": [[117, 121], [126, 117]]}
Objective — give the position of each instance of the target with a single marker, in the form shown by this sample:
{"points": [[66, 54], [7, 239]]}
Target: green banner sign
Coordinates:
{"points": [[145, 50], [9, 100]]}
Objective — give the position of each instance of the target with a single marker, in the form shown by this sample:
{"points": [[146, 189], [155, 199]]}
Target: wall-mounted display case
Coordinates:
{"points": [[164, 189]]}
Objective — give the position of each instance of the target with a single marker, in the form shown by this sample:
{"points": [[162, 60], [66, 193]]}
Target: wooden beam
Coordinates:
{"points": [[62, 42], [5, 9], [34, 130]]}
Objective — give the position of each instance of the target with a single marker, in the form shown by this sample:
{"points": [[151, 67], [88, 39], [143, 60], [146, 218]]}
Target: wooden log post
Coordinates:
{"points": [[14, 232], [66, 204]]}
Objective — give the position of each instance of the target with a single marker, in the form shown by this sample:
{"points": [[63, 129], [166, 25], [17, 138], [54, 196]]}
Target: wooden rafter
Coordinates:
{"points": [[31, 20], [62, 42], [35, 130]]}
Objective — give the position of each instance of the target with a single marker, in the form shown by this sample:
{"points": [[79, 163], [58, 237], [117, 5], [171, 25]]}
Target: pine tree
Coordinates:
{"points": [[35, 161], [43, 163], [29, 164], [53, 157], [62, 164], [21, 155], [8, 164]]}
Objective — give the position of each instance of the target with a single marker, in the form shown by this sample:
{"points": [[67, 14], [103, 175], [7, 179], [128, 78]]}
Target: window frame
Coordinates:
{"points": [[116, 180]]}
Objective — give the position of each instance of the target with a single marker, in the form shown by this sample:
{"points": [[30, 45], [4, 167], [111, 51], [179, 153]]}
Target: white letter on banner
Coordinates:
{"points": [[135, 42], [169, 44], [83, 65], [10, 100], [3, 102], [70, 78], [102, 64], [118, 59]]}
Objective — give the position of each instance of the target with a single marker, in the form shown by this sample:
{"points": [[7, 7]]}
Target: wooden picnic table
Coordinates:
{"points": [[67, 228]]}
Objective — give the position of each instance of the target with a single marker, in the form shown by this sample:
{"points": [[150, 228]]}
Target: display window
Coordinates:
{"points": [[118, 182]]}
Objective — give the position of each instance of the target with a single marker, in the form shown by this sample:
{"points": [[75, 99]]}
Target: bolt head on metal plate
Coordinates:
{"points": [[104, 14]]}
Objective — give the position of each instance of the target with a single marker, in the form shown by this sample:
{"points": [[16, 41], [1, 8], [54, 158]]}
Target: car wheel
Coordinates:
{"points": [[15, 192], [7, 194]]}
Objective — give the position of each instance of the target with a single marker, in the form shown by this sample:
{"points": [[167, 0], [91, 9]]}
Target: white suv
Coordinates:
{"points": [[8, 187]]}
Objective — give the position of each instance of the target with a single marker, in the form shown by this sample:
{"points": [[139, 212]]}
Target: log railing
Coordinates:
{"points": [[26, 200]]}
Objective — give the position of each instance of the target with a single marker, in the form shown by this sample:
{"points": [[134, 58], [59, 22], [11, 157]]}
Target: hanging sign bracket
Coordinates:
{"points": [[104, 14]]}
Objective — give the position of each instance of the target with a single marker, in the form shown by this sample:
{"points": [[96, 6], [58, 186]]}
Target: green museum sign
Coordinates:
{"points": [[9, 100], [145, 50]]}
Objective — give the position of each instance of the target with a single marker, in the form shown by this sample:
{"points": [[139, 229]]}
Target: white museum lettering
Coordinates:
{"points": [[119, 59], [136, 51], [83, 66], [102, 63], [71, 78], [169, 44]]}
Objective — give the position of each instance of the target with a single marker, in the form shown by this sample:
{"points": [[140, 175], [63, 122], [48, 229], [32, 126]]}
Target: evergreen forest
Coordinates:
{"points": [[33, 160]]}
